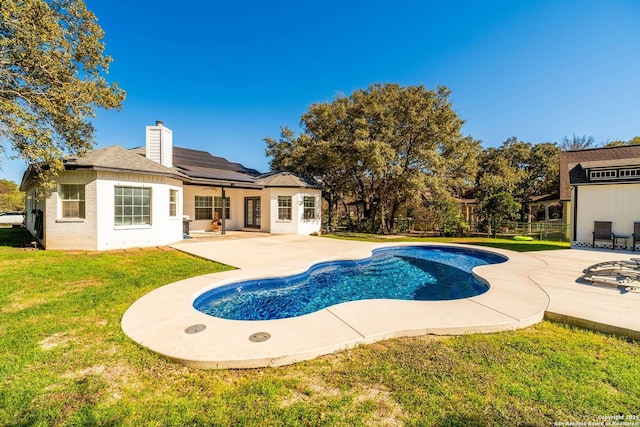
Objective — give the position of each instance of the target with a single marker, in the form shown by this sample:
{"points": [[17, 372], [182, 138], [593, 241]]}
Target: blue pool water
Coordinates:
{"points": [[425, 273]]}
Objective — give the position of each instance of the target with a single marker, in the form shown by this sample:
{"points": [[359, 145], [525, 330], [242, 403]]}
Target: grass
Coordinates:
{"points": [[15, 237], [514, 245], [65, 362]]}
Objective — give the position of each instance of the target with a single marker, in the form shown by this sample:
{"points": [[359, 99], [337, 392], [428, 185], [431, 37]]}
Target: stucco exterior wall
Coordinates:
{"points": [[297, 224], [618, 203], [164, 229], [98, 230], [265, 200], [236, 220], [236, 207], [190, 192]]}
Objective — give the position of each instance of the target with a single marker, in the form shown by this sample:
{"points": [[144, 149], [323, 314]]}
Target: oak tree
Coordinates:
{"points": [[619, 142], [11, 198], [380, 148], [499, 207], [52, 79]]}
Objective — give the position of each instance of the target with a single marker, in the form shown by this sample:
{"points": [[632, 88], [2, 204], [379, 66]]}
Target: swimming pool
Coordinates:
{"points": [[425, 273]]}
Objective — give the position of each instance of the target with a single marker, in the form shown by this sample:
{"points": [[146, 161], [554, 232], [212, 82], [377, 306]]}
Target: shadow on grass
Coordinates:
{"points": [[15, 238], [513, 245], [519, 247]]}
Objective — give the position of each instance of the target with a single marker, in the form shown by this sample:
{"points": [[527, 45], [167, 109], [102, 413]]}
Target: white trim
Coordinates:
{"points": [[133, 227]]}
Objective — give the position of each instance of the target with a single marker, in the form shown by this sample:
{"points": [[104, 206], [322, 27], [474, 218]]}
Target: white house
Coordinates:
{"points": [[601, 184], [114, 198]]}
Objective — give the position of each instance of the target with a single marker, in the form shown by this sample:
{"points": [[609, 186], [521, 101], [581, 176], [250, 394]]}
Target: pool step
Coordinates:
{"points": [[386, 267]]}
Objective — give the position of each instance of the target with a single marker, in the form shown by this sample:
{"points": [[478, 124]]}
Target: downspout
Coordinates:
{"points": [[224, 211], [575, 213]]}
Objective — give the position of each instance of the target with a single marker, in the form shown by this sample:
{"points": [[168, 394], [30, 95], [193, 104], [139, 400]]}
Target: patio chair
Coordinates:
{"points": [[635, 237], [632, 264], [602, 232], [614, 276]]}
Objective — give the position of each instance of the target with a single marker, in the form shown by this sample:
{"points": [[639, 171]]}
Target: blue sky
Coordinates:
{"points": [[225, 75]]}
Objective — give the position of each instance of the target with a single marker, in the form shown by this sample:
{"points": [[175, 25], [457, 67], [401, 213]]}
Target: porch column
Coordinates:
{"points": [[546, 211], [224, 212]]}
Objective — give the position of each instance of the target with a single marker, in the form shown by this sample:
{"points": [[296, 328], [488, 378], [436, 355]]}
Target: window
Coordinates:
{"points": [[603, 174], [309, 207], [217, 208], [132, 206], [173, 202], [284, 208], [204, 205], [630, 173], [72, 196]]}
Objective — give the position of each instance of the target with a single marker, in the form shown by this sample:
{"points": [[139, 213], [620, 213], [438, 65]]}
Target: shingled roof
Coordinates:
{"points": [[190, 166], [573, 162], [200, 167], [117, 158], [112, 158], [284, 179]]}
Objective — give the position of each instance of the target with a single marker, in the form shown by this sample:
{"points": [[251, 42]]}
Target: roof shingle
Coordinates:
{"points": [[569, 159], [284, 179], [117, 158]]}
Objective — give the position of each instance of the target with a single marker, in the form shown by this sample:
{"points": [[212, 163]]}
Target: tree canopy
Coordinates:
{"points": [[577, 142], [617, 143], [11, 198], [499, 207], [519, 168], [380, 148], [52, 78]]}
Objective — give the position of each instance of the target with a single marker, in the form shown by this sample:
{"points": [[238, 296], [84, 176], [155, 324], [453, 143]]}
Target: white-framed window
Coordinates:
{"points": [[204, 207], [630, 173], [217, 208], [284, 208], [603, 174], [173, 202], [309, 205], [132, 206], [73, 200]]}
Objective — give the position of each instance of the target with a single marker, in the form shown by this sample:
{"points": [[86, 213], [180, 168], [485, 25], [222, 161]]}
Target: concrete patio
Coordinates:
{"points": [[522, 291]]}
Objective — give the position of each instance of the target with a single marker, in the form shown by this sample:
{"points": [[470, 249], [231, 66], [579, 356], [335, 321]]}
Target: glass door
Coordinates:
{"points": [[252, 212]]}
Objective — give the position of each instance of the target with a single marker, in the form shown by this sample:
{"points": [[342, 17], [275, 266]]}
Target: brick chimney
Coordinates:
{"points": [[160, 144]]}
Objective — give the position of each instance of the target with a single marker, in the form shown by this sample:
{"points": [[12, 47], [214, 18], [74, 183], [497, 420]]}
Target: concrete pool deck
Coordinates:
{"points": [[522, 291]]}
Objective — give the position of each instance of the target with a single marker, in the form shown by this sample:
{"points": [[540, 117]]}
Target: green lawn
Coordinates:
{"points": [[514, 245], [65, 361]]}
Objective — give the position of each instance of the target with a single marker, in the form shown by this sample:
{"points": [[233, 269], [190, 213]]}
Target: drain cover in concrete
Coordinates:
{"points": [[259, 337], [194, 329]]}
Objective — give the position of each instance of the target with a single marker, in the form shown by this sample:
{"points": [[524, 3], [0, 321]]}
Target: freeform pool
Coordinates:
{"points": [[424, 273]]}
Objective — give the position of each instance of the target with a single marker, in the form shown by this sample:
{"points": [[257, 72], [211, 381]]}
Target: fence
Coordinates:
{"points": [[543, 230]]}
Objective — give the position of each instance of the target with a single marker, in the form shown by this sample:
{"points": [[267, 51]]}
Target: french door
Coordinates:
{"points": [[252, 212]]}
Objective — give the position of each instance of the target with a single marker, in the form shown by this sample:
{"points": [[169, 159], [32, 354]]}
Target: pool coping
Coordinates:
{"points": [[159, 320]]}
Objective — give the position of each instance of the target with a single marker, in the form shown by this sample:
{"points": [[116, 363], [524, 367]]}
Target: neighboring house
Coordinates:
{"points": [[600, 184], [114, 198], [468, 205], [544, 207]]}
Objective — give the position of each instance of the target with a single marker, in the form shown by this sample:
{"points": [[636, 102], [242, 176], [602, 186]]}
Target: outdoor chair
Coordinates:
{"points": [[632, 264], [635, 237], [614, 276], [602, 232]]}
